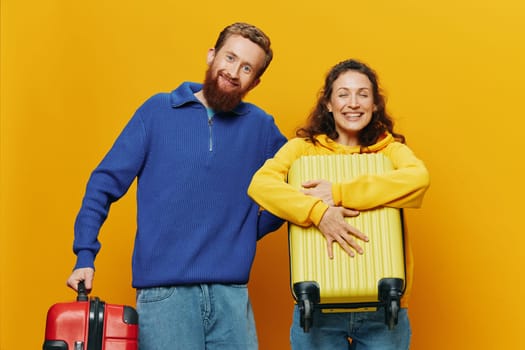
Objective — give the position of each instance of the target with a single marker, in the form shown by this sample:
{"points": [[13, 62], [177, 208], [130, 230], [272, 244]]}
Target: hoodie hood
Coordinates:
{"points": [[330, 144]]}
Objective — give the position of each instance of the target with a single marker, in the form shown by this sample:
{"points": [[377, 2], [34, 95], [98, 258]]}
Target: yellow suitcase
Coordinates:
{"points": [[365, 282]]}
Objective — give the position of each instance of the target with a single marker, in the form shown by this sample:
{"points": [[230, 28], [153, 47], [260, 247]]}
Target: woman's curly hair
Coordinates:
{"points": [[321, 121]]}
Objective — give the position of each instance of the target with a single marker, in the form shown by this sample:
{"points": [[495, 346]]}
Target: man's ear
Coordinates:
{"points": [[211, 56]]}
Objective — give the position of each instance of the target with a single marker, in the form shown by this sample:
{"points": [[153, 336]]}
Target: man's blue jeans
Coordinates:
{"points": [[368, 331], [196, 317]]}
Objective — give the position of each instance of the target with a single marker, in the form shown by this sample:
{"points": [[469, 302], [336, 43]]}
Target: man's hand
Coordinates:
{"points": [[85, 274], [335, 228], [321, 189]]}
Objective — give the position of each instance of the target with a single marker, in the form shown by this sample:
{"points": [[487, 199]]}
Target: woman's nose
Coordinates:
{"points": [[353, 102]]}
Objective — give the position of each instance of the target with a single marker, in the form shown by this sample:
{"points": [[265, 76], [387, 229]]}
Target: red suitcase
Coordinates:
{"points": [[91, 324]]}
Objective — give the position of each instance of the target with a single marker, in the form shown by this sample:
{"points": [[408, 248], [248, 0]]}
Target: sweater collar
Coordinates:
{"points": [[184, 94]]}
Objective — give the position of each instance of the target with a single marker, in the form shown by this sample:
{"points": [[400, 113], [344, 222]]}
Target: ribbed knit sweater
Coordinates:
{"points": [[195, 222]]}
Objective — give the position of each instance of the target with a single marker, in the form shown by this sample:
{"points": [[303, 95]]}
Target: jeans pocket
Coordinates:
{"points": [[151, 295]]}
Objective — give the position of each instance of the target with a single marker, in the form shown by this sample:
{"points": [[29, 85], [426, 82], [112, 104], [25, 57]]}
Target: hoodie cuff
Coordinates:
{"points": [[317, 212], [336, 194]]}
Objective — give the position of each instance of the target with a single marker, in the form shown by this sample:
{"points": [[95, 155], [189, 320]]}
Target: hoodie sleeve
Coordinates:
{"points": [[403, 187], [271, 191]]}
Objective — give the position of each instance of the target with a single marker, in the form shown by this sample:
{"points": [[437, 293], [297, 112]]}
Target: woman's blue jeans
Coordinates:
{"points": [[196, 317], [367, 330]]}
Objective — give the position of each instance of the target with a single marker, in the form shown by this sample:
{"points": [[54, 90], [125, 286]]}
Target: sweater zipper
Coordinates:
{"points": [[210, 124]]}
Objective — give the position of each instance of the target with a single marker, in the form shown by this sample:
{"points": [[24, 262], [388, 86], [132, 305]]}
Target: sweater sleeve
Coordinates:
{"points": [[107, 183], [267, 222], [403, 187], [271, 191]]}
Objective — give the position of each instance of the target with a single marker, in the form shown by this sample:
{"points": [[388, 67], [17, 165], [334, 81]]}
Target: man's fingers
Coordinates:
{"points": [[82, 274]]}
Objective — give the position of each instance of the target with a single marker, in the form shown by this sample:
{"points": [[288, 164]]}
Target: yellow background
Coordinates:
{"points": [[72, 74]]}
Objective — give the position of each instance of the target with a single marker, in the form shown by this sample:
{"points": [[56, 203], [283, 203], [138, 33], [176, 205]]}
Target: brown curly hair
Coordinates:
{"points": [[321, 121]]}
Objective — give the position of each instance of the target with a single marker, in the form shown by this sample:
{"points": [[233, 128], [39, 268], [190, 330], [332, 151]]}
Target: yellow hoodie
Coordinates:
{"points": [[403, 187]]}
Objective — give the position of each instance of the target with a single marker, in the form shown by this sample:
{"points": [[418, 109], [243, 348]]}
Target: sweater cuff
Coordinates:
{"points": [[266, 223], [336, 194], [317, 212], [85, 258]]}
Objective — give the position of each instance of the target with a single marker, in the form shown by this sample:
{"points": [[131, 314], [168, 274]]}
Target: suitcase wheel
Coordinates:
{"points": [[306, 310], [307, 295], [392, 314], [390, 291]]}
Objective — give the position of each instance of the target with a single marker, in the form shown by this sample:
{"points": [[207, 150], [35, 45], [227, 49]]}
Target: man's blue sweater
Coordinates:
{"points": [[195, 222]]}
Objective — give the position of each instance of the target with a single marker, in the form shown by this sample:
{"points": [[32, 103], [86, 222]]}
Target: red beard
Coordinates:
{"points": [[217, 99]]}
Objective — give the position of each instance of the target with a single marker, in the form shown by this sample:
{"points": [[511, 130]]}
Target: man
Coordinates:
{"points": [[193, 152]]}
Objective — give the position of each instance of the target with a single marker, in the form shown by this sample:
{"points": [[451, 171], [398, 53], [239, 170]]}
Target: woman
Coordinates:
{"points": [[349, 117]]}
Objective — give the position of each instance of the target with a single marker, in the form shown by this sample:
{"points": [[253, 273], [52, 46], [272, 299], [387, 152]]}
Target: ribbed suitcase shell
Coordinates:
{"points": [[345, 279]]}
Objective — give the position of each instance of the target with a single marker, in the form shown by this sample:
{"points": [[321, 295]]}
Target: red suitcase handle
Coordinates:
{"points": [[82, 293]]}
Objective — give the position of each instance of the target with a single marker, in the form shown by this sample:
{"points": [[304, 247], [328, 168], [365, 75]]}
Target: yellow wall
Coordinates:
{"points": [[72, 73]]}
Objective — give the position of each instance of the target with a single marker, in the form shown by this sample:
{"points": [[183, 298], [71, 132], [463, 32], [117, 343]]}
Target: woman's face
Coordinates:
{"points": [[352, 105]]}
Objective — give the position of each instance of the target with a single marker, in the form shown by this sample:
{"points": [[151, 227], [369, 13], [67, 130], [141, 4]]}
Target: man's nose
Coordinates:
{"points": [[233, 70]]}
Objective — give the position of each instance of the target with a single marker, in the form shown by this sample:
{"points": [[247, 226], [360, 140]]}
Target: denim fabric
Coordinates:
{"points": [[368, 331], [196, 317]]}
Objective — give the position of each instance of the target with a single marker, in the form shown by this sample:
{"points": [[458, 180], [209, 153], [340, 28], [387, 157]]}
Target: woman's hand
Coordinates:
{"points": [[321, 189], [336, 229]]}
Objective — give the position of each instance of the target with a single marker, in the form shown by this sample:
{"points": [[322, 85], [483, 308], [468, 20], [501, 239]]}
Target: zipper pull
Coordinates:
{"points": [[210, 124]]}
